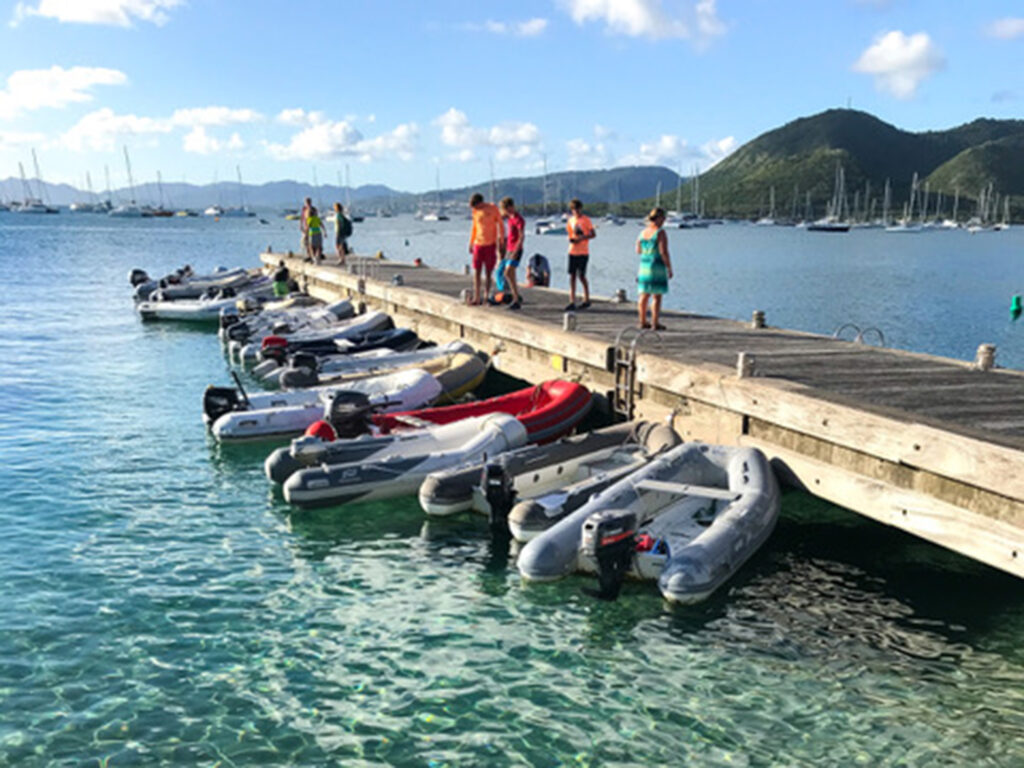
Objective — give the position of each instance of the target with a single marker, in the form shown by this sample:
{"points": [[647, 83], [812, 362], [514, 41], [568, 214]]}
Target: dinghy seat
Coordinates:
{"points": [[685, 489]]}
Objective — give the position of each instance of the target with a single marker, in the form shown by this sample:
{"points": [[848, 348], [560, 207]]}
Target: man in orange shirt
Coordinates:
{"points": [[487, 235], [581, 232]]}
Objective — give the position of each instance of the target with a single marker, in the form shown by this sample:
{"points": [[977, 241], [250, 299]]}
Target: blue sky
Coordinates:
{"points": [[397, 90]]}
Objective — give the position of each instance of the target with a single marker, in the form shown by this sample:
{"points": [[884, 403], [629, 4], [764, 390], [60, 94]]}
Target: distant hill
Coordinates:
{"points": [[615, 185], [801, 157]]}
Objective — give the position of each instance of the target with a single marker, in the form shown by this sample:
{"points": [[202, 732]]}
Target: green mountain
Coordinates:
{"points": [[801, 157]]}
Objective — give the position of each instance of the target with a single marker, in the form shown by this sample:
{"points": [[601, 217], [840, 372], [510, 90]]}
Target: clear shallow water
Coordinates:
{"points": [[160, 605]]}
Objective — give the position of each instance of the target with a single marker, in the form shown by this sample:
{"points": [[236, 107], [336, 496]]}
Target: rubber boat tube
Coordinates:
{"points": [[703, 509]]}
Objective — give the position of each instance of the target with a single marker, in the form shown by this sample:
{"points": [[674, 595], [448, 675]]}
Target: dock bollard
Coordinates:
{"points": [[985, 360], [744, 365], [465, 269], [569, 321], [397, 280], [620, 296], [757, 319], [361, 285]]}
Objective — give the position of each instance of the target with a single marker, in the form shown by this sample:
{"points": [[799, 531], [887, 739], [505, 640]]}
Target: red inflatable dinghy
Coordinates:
{"points": [[548, 411]]}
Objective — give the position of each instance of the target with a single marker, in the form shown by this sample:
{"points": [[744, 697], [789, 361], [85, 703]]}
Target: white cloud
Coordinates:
{"points": [[584, 155], [300, 117], [717, 150], [117, 13], [667, 149], [900, 63], [13, 139], [529, 28], [509, 140], [327, 138], [56, 87], [1006, 29], [101, 130], [199, 142], [196, 116], [697, 21]]}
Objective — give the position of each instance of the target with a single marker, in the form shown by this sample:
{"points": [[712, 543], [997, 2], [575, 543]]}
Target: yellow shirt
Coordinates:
{"points": [[487, 225], [583, 223]]}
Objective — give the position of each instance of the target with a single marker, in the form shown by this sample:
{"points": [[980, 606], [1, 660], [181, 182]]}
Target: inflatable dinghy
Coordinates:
{"points": [[400, 468], [533, 480], [369, 321], [555, 411], [238, 325], [360, 363], [689, 519], [208, 307], [233, 415]]}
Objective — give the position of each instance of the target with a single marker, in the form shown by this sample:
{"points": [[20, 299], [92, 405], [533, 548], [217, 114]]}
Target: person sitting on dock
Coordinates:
{"points": [[581, 232], [342, 232], [655, 269], [538, 271], [487, 233], [513, 246], [281, 279]]}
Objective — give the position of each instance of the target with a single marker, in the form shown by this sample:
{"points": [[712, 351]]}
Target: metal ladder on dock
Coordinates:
{"points": [[624, 368]]}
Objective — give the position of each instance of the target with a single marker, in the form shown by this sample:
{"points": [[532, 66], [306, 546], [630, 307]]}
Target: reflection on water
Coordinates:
{"points": [[163, 605]]}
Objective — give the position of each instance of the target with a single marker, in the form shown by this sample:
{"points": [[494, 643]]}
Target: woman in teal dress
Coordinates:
{"points": [[655, 269]]}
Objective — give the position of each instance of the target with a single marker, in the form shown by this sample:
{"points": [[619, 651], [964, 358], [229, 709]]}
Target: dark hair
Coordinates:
{"points": [[476, 199], [575, 204], [655, 213], [508, 202], [338, 207]]}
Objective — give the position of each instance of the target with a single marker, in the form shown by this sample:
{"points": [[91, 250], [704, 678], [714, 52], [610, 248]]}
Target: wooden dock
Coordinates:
{"points": [[930, 445]]}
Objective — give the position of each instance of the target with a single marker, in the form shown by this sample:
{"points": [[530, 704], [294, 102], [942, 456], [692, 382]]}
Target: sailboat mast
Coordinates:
{"points": [[43, 194], [348, 191], [128, 167]]}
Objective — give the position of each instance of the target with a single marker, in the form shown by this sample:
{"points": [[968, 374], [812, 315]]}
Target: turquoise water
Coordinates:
{"points": [[161, 605]]}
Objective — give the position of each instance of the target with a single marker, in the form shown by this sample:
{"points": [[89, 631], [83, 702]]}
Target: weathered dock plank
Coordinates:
{"points": [[923, 443]]}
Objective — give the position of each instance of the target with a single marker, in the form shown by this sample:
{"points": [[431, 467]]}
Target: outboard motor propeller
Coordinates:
{"points": [[609, 537], [220, 400], [501, 497], [349, 414]]}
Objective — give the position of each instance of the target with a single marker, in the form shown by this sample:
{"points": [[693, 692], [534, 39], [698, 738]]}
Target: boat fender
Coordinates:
{"points": [[273, 341], [220, 400], [323, 430], [501, 497], [609, 536]]}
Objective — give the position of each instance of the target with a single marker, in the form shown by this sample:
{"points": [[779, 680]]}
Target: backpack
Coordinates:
{"points": [[346, 227]]}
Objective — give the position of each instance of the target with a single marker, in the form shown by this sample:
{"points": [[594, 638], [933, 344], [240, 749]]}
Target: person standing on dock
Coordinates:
{"points": [[315, 229], [581, 232], [342, 232], [655, 269], [304, 226], [513, 246], [484, 238]]}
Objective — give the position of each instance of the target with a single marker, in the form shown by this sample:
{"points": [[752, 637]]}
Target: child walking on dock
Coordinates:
{"points": [[655, 269]]}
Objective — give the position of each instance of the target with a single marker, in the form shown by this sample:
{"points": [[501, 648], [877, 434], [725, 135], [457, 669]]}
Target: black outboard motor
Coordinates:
{"points": [[227, 292], [278, 354], [227, 319], [137, 277], [297, 378], [500, 495], [220, 400], [349, 413], [609, 537], [304, 360]]}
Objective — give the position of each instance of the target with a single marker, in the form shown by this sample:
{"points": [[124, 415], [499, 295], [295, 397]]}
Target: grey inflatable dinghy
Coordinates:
{"points": [[494, 487], [690, 518]]}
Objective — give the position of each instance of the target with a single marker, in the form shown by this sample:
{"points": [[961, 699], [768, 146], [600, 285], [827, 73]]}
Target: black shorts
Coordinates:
{"points": [[578, 265]]}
